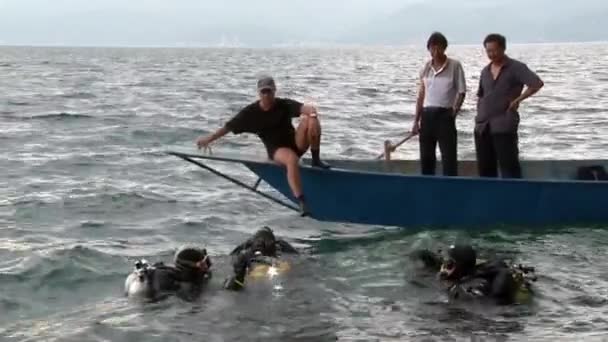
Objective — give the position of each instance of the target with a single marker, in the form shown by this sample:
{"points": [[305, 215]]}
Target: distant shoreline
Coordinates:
{"points": [[285, 46]]}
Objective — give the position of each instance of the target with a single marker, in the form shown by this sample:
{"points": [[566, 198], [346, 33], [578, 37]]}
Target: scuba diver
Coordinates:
{"points": [[186, 278], [259, 256], [465, 278]]}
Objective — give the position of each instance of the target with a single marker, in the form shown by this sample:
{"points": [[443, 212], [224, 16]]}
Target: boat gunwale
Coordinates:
{"points": [[257, 160]]}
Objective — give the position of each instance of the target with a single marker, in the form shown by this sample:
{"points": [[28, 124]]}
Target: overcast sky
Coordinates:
{"points": [[268, 22]]}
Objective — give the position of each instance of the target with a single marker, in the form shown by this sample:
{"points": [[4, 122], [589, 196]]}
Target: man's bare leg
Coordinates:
{"points": [[287, 157], [302, 136], [308, 135]]}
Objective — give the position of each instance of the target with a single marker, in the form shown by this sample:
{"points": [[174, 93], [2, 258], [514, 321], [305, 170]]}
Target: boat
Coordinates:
{"points": [[393, 193]]}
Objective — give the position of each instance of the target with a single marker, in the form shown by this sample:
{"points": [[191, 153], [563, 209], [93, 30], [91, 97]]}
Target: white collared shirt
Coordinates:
{"points": [[443, 85]]}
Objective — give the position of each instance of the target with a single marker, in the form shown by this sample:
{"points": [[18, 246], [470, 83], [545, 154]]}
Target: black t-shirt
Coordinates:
{"points": [[273, 126]]}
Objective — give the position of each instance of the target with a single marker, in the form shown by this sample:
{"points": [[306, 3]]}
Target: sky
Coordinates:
{"points": [[285, 22]]}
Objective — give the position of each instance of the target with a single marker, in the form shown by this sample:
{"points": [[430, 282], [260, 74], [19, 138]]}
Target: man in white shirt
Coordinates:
{"points": [[440, 95]]}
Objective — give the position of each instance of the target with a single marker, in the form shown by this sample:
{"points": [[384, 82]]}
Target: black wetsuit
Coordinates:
{"points": [[240, 266], [246, 255], [185, 283], [493, 280]]}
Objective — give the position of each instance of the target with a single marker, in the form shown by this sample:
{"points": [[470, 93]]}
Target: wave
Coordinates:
{"points": [[108, 198], [197, 224], [79, 95], [93, 224], [567, 110], [590, 301], [8, 304], [73, 266], [132, 198], [144, 84], [174, 132], [17, 103], [60, 116], [61, 267], [368, 92]]}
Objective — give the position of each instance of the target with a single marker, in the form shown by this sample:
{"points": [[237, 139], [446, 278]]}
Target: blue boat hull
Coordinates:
{"points": [[409, 200], [402, 200]]}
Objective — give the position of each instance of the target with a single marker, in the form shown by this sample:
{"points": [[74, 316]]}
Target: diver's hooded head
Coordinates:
{"points": [[460, 262], [192, 261], [264, 241]]}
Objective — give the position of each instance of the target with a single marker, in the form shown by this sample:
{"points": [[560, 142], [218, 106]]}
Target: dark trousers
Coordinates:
{"points": [[437, 125], [497, 150]]}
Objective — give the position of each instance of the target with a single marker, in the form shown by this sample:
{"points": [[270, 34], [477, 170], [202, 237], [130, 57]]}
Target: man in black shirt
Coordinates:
{"points": [[270, 119], [500, 93]]}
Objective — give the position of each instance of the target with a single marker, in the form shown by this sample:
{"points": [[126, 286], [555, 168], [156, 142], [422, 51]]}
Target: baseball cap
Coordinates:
{"points": [[266, 82]]}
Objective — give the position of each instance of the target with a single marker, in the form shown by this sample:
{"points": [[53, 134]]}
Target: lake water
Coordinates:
{"points": [[86, 189]]}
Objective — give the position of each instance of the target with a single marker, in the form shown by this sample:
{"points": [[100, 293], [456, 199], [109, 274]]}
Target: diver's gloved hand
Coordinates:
{"points": [[233, 284]]}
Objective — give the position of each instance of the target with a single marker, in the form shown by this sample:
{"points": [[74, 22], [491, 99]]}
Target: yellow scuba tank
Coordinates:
{"points": [[261, 270], [523, 276]]}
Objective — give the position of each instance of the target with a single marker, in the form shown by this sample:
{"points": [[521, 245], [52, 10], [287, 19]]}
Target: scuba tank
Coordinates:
{"points": [[266, 267]]}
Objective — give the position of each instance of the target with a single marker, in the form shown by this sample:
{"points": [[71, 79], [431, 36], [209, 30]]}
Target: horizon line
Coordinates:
{"points": [[280, 45]]}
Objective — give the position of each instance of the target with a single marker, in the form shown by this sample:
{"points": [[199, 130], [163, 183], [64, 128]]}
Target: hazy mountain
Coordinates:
{"points": [[469, 21], [251, 23], [156, 22]]}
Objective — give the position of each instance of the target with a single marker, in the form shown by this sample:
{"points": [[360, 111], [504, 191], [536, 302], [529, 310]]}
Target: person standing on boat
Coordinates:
{"points": [[270, 118], [499, 95], [440, 96]]}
